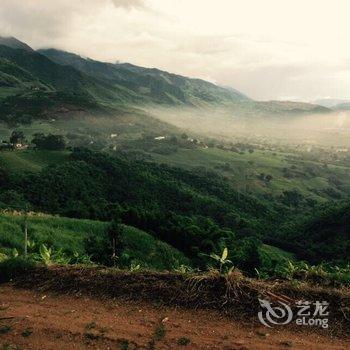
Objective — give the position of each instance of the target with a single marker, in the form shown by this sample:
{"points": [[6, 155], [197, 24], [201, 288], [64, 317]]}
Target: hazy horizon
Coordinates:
{"points": [[268, 50]]}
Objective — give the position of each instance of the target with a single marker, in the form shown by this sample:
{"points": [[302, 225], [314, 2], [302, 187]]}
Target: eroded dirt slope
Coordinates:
{"points": [[33, 320]]}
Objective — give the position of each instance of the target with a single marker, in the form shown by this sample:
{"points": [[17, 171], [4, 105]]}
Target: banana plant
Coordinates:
{"points": [[31, 245], [14, 253], [222, 260], [3, 257], [45, 254]]}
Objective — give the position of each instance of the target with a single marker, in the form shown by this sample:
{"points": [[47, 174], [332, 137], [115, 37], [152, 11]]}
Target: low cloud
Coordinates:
{"points": [[262, 53], [129, 4]]}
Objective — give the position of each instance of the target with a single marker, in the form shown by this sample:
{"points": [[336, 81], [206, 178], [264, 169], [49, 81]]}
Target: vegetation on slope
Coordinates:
{"points": [[73, 240], [153, 84], [325, 234], [194, 212], [31, 84]]}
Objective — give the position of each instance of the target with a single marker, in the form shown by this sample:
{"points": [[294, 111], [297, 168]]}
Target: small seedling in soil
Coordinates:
{"points": [[104, 330], [91, 336], [10, 347], [183, 341], [27, 332], [262, 334], [124, 344], [90, 325], [287, 343], [159, 332], [151, 345], [5, 329]]}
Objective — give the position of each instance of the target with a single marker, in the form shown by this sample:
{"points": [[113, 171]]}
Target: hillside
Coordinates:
{"points": [[163, 87], [14, 43], [277, 109], [153, 85], [343, 106], [33, 84], [195, 212], [44, 83], [74, 240], [248, 171], [330, 102], [325, 234], [192, 212]]}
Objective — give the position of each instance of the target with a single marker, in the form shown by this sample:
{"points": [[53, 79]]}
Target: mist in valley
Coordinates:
{"points": [[323, 129]]}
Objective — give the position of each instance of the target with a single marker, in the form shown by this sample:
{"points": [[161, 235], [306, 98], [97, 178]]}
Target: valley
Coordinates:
{"points": [[125, 183]]}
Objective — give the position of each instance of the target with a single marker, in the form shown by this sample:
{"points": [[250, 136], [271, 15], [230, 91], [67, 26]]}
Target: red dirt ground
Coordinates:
{"points": [[31, 321]]}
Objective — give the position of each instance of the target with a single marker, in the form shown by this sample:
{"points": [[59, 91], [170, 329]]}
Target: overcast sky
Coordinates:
{"points": [[268, 49]]}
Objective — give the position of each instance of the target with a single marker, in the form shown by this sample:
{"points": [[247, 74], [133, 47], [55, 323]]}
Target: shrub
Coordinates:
{"points": [[13, 267]]}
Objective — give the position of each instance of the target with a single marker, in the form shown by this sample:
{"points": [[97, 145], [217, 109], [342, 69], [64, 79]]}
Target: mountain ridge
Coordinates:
{"points": [[14, 43], [33, 83], [158, 85]]}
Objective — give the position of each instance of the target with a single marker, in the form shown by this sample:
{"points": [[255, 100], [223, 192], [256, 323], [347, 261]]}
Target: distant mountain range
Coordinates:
{"points": [[148, 85], [14, 43], [33, 83], [334, 103]]}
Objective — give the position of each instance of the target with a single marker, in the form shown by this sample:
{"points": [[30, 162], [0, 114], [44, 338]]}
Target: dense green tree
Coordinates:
{"points": [[17, 136], [49, 142]]}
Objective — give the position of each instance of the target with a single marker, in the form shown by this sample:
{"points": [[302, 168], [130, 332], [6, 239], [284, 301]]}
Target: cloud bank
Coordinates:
{"points": [[268, 49]]}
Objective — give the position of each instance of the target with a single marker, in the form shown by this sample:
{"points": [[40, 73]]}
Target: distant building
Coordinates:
{"points": [[6, 146], [20, 146], [159, 138]]}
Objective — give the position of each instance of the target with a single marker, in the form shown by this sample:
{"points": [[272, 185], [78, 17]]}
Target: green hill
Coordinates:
{"points": [[322, 236], [246, 170], [14, 43], [35, 84], [32, 86], [22, 162], [39, 84], [153, 85], [194, 213], [74, 237]]}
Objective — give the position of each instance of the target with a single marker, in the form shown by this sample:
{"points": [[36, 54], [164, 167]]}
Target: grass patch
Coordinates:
{"points": [[71, 236], [19, 162]]}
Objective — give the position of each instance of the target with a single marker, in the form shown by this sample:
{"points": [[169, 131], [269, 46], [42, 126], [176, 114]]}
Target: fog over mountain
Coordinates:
{"points": [[268, 50]]}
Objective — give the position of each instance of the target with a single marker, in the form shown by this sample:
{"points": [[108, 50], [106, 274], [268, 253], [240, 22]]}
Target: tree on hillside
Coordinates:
{"points": [[49, 142], [17, 137], [4, 178], [115, 232], [291, 198]]}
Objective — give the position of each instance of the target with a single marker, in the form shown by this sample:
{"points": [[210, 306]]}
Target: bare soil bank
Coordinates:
{"points": [[32, 320]]}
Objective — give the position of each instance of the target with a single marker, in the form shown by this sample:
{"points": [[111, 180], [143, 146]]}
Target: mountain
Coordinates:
{"points": [[331, 102], [343, 106], [289, 107], [152, 84], [38, 84], [31, 85], [14, 43]]}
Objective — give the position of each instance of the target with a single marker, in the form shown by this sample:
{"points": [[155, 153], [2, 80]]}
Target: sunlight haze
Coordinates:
{"points": [[268, 49]]}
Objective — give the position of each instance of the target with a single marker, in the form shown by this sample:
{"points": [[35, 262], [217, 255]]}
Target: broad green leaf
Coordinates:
{"points": [[224, 254]]}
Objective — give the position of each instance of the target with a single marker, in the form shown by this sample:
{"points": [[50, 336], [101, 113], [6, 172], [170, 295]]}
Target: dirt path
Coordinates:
{"points": [[32, 321]]}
